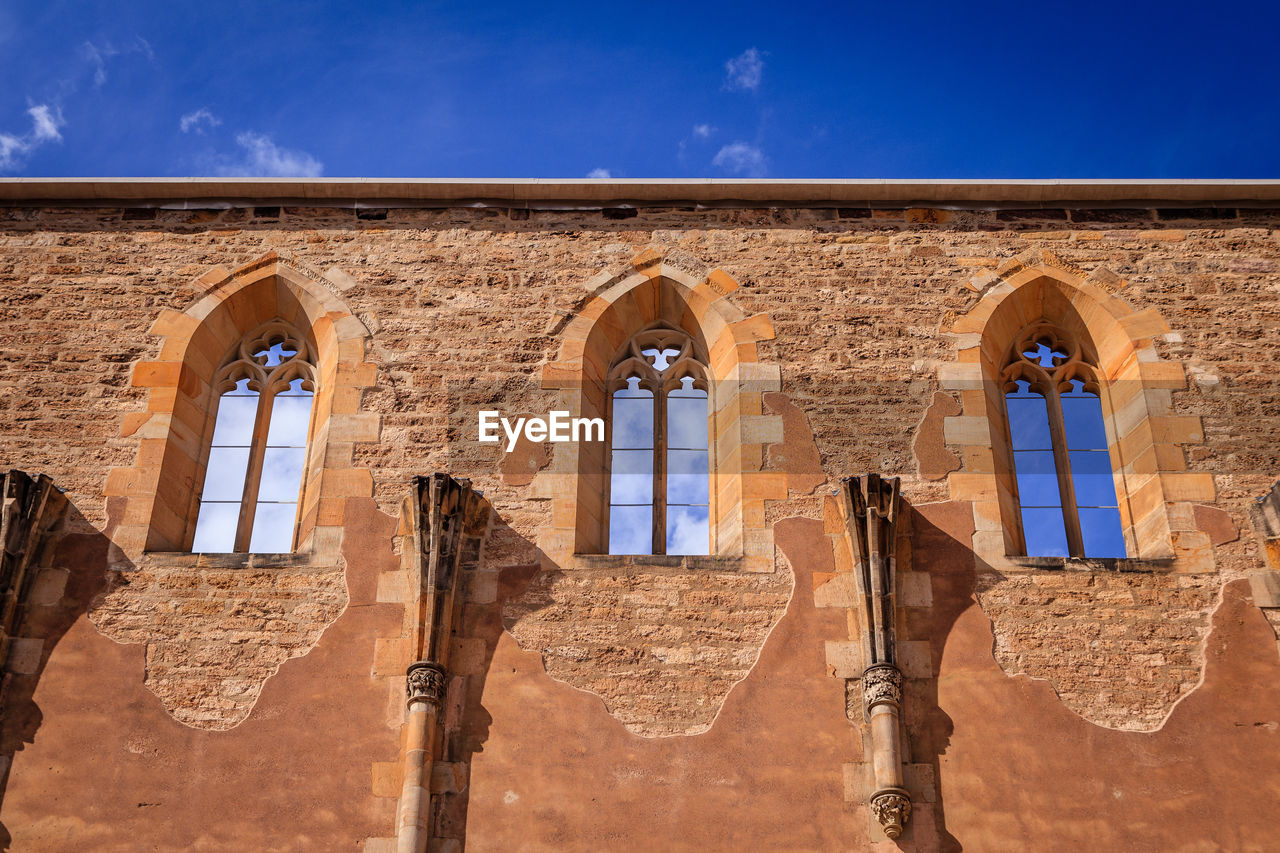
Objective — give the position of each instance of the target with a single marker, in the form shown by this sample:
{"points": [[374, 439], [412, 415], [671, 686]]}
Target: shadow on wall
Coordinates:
{"points": [[938, 533], [466, 721], [71, 573]]}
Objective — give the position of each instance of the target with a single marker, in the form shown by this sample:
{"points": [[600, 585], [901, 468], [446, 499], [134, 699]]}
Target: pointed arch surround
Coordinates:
{"points": [[161, 492], [656, 297], [1144, 436]]}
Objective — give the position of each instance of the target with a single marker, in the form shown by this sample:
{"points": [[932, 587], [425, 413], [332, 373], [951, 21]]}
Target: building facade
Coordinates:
{"points": [[426, 641]]}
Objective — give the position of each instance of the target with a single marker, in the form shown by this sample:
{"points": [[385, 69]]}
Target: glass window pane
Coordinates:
{"points": [[687, 419], [216, 528], [1044, 532], [224, 476], [631, 479], [688, 530], [236, 413], [1091, 476], [631, 530], [688, 481], [1082, 420], [273, 528], [1100, 529], [1028, 422], [633, 419], [281, 473], [290, 417], [1037, 478]]}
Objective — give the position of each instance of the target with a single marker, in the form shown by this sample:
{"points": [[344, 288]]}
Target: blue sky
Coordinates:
{"points": [[844, 90]]}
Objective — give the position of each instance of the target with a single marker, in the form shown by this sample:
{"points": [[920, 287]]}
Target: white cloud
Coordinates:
{"points": [[264, 159], [599, 173], [97, 55], [703, 131], [45, 124], [689, 533], [198, 120], [744, 71], [99, 62], [739, 158]]}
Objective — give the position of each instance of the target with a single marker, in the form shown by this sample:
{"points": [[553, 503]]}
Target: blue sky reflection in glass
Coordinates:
{"points": [[688, 483], [228, 464], [282, 465], [1091, 473], [631, 472], [1039, 491]]}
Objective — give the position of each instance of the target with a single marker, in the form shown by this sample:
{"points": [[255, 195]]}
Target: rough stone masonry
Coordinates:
{"points": [[238, 702]]}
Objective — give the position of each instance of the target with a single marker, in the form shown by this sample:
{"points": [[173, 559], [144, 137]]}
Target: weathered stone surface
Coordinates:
{"points": [[1119, 649], [214, 636], [469, 305], [662, 648]]}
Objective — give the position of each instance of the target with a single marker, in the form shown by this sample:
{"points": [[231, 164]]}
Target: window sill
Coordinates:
{"points": [[1095, 564], [198, 560], [633, 562]]}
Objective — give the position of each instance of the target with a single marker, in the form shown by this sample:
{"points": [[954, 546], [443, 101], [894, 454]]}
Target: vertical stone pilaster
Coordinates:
{"points": [[870, 508]]}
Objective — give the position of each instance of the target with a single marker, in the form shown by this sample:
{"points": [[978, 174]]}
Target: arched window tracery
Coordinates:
{"points": [[659, 473], [257, 455], [1062, 466]]}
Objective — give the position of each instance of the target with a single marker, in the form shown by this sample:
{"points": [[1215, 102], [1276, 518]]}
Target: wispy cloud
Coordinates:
{"points": [[743, 72], [46, 122], [703, 131], [739, 158], [599, 173], [262, 158], [198, 120], [98, 54]]}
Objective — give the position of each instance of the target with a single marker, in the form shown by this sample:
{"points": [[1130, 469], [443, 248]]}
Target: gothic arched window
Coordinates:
{"points": [[257, 456], [1062, 468], [659, 474]]}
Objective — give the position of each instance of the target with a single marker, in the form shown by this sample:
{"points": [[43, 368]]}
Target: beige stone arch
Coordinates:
{"points": [[1145, 436], [161, 491], [655, 289]]}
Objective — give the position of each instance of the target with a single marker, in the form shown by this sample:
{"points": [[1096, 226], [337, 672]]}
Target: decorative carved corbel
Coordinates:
{"points": [[892, 807], [1266, 520], [1265, 583], [31, 507], [425, 683], [444, 522], [870, 506]]}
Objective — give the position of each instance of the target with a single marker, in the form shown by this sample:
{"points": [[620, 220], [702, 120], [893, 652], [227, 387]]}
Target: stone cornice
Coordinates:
{"points": [[537, 193]]}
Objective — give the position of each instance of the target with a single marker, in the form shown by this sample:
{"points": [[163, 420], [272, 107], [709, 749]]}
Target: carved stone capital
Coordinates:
{"points": [[881, 684], [426, 683], [892, 808]]}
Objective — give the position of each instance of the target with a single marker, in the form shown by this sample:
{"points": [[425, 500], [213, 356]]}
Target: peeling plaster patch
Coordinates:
{"points": [[933, 460], [214, 636], [1120, 650]]}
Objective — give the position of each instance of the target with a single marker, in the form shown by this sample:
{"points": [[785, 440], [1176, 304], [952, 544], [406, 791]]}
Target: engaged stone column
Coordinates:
{"points": [[871, 512], [424, 694], [882, 703]]}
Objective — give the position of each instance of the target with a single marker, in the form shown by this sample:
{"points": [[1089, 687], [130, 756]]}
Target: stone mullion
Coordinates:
{"points": [[1062, 464], [659, 467], [253, 473]]}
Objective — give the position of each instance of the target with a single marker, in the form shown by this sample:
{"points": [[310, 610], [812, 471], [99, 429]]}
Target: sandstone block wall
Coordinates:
{"points": [[465, 308]]}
